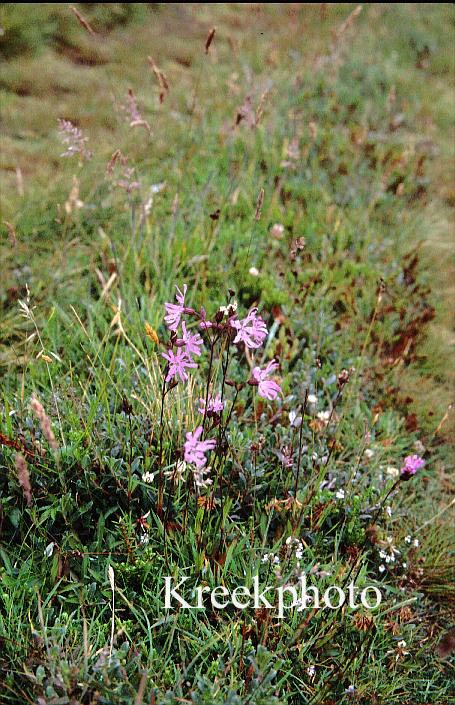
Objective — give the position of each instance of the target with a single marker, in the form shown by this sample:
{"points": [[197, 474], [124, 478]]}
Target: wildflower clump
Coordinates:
{"points": [[222, 333]]}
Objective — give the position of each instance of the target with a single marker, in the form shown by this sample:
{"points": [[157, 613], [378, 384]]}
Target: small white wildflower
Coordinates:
{"points": [[145, 539], [340, 494], [230, 307], [177, 472], [199, 476], [294, 420], [388, 511], [404, 566], [323, 415], [350, 690], [254, 272], [416, 543], [402, 644], [312, 399], [265, 558], [49, 550], [408, 539], [148, 477], [369, 453], [311, 670], [391, 471], [382, 568]]}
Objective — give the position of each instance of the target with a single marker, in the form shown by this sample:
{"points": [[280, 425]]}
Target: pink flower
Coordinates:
{"points": [[250, 330], [195, 449], [214, 405], [178, 362], [191, 342], [267, 388], [411, 464], [175, 311]]}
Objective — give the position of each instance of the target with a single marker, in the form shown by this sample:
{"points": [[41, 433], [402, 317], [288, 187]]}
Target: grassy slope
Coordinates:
{"points": [[362, 196]]}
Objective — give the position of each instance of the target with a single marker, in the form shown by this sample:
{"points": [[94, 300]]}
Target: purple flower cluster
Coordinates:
{"points": [[250, 331], [411, 464]]}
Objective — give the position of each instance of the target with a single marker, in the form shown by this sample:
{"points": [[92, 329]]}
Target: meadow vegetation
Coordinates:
{"points": [[288, 168]]}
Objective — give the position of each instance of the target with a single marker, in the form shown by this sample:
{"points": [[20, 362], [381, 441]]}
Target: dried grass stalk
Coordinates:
{"points": [[23, 477], [44, 422]]}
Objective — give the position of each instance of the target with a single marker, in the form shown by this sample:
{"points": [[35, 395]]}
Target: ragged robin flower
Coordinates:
{"points": [[178, 363], [267, 388], [251, 330], [195, 449]]}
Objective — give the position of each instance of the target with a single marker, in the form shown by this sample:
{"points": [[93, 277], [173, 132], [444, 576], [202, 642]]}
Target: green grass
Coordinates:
{"points": [[353, 152]]}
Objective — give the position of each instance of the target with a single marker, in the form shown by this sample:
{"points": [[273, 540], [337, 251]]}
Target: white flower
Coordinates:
{"points": [[416, 543], [388, 511], [312, 399], [254, 272], [311, 670], [145, 538], [369, 452], [339, 494], [295, 420], [381, 568], [323, 415], [407, 539], [178, 471], [148, 477], [392, 471], [402, 644], [49, 550], [232, 306]]}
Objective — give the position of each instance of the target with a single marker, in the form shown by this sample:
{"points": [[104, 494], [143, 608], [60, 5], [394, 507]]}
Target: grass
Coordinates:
{"points": [[348, 130]]}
